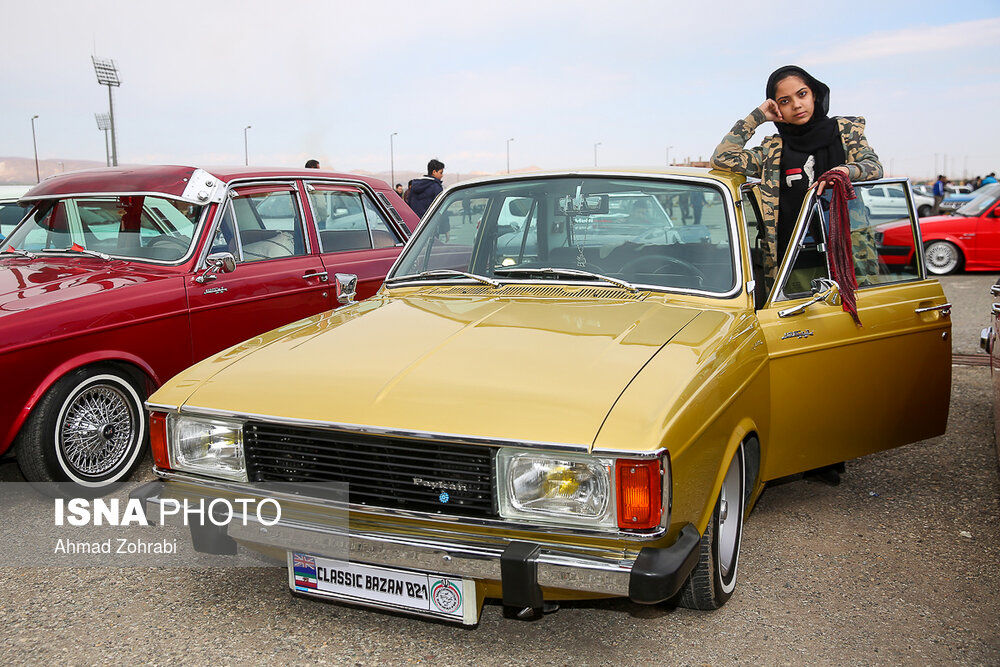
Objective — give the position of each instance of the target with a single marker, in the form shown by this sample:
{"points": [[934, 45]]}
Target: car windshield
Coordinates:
{"points": [[654, 233], [131, 227], [984, 198]]}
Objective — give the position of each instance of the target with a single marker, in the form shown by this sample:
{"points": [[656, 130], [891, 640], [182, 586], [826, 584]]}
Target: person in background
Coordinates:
{"points": [[697, 202], [399, 189], [990, 178], [423, 190], [312, 164], [974, 183], [939, 192]]}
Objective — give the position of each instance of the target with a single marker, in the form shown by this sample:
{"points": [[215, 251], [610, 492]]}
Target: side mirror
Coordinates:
{"points": [[217, 262], [995, 213], [823, 289], [347, 287]]}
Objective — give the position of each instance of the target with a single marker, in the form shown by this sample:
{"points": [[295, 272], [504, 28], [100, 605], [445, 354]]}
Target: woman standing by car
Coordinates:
{"points": [[808, 144]]}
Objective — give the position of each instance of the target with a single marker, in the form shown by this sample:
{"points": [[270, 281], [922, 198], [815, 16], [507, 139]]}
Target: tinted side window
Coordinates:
{"points": [[382, 234], [340, 221], [269, 226]]}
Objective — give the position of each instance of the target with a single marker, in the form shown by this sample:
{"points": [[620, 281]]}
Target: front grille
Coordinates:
{"points": [[380, 470]]}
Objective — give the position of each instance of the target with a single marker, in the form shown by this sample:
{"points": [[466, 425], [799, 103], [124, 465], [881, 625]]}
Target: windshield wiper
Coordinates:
{"points": [[437, 273], [93, 253], [23, 253], [548, 270]]}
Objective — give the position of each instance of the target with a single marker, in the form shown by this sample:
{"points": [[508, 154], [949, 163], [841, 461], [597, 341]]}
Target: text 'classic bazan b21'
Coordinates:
{"points": [[561, 391]]}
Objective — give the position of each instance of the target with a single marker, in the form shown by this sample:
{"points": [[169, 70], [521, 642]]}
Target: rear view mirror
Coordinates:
{"points": [[583, 204], [519, 207]]}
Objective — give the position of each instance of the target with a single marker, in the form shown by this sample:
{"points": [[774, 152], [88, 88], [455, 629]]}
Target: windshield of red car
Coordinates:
{"points": [[656, 233], [130, 227], [984, 198]]}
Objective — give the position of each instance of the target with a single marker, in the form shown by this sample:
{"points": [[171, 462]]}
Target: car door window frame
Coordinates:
{"points": [[231, 192], [393, 217]]}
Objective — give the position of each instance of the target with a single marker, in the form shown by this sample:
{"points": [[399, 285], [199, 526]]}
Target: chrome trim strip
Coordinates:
{"points": [[556, 568], [160, 407], [730, 210], [420, 435]]}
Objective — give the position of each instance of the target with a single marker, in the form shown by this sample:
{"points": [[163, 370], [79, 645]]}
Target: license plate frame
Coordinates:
{"points": [[425, 594]]}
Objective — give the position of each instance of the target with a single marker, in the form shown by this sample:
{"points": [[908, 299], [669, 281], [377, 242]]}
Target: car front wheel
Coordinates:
{"points": [[942, 257], [714, 577], [89, 429]]}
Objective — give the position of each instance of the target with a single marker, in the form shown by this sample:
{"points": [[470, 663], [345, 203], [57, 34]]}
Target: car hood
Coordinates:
{"points": [[27, 284], [539, 369]]}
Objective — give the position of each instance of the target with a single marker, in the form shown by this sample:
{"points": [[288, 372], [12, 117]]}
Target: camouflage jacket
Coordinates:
{"points": [[764, 162]]}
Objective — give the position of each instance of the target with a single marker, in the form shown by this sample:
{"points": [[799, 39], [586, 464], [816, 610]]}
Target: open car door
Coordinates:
{"points": [[840, 390]]}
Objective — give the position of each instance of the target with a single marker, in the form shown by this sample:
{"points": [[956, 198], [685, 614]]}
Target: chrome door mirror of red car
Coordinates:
{"points": [[217, 262], [347, 287]]}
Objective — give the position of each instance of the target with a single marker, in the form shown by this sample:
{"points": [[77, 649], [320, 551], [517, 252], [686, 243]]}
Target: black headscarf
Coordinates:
{"points": [[818, 138], [821, 131]]}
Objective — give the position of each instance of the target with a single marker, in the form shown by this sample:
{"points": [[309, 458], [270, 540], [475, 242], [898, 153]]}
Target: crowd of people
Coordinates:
{"points": [[940, 189]]}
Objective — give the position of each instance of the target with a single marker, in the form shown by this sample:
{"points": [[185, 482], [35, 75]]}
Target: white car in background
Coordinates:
{"points": [[10, 212], [889, 200]]}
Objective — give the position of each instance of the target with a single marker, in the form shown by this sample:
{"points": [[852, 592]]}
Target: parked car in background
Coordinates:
{"points": [[955, 200], [574, 421], [890, 201], [969, 238], [119, 278], [11, 212]]}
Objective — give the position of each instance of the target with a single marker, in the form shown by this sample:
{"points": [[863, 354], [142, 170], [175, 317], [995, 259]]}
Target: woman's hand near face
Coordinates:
{"points": [[821, 185], [771, 112]]}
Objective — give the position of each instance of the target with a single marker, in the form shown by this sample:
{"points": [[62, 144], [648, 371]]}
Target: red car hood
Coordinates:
{"points": [[27, 284]]}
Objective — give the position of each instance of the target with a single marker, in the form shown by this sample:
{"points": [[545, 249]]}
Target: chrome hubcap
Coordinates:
{"points": [[729, 522], [97, 430], [941, 256]]}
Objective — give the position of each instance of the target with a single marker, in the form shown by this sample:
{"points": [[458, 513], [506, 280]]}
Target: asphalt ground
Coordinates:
{"points": [[897, 564]]}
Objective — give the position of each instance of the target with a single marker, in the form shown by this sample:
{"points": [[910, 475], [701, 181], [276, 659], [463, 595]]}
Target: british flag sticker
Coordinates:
{"points": [[304, 568]]}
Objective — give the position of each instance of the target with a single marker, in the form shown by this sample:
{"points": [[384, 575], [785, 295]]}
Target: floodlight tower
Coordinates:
{"points": [[107, 75], [104, 124]]}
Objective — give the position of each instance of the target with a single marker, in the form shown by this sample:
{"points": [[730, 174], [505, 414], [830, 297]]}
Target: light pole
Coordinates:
{"points": [[104, 124], [34, 143], [392, 160], [668, 155], [508, 154], [595, 152], [246, 146], [107, 75]]}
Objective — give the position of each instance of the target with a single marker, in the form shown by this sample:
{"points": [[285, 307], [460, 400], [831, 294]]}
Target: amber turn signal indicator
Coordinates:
{"points": [[158, 439], [640, 493]]}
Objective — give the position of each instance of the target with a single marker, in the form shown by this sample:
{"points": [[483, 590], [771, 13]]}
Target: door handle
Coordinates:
{"points": [[322, 275], [995, 290], [945, 309], [996, 308]]}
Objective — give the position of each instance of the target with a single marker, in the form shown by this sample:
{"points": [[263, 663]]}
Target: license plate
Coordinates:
{"points": [[434, 595]]}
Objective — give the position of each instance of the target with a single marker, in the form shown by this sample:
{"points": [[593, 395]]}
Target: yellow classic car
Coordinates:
{"points": [[576, 393]]}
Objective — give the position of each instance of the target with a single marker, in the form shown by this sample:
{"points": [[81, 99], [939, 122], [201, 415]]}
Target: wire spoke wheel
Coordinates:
{"points": [[941, 257], [98, 428]]}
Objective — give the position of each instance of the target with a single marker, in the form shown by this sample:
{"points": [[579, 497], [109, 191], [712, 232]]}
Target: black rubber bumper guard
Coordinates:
{"points": [[657, 574], [206, 537]]}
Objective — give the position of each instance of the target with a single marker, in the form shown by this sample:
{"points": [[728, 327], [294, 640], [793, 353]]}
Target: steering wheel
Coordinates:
{"points": [[655, 264]]}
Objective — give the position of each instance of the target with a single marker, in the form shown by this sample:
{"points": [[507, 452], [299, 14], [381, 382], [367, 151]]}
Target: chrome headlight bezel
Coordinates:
{"points": [[601, 470], [227, 433]]}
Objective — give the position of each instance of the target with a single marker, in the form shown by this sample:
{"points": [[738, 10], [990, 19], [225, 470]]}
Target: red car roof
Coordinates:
{"points": [[166, 179]]}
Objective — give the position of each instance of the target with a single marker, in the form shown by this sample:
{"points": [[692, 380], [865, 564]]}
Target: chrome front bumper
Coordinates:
{"points": [[522, 568]]}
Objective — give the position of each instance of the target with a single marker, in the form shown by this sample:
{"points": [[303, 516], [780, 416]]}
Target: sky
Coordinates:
{"points": [[456, 80]]}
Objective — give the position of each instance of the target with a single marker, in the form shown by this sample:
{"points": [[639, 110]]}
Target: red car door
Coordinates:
{"points": [[278, 277], [987, 241], [355, 235]]}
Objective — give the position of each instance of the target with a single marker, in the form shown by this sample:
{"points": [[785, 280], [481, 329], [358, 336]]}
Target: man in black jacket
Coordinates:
{"points": [[423, 190]]}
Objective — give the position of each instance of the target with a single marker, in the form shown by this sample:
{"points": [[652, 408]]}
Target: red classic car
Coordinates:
{"points": [[117, 279], [969, 237]]}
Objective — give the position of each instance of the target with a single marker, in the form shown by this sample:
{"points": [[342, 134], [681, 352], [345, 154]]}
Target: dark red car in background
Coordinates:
{"points": [[968, 238], [119, 278]]}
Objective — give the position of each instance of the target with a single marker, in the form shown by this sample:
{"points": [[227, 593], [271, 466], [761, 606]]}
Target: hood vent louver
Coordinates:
{"points": [[539, 291]]}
